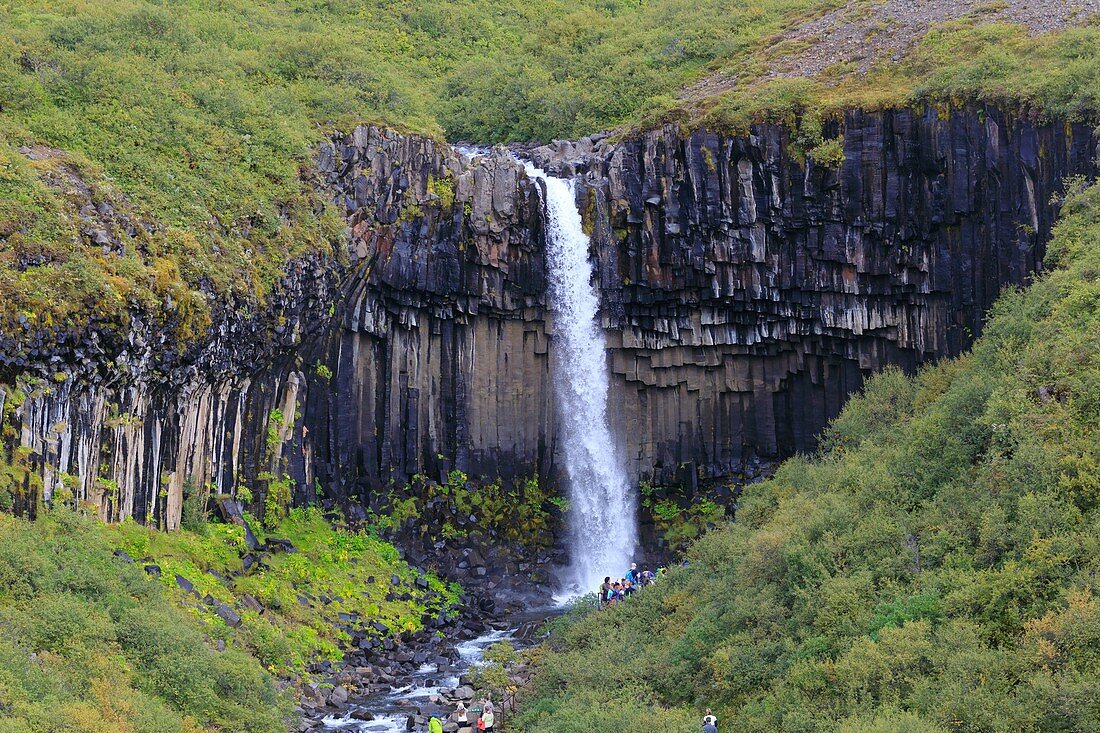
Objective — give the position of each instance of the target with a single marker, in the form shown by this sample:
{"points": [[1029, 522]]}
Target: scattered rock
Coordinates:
{"points": [[184, 584], [338, 696], [228, 615]]}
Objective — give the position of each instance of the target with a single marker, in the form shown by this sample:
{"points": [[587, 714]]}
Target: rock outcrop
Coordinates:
{"points": [[746, 292]]}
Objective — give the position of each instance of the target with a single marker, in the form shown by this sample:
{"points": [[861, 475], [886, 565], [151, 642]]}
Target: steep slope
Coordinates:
{"points": [[92, 645], [124, 629], [933, 568]]}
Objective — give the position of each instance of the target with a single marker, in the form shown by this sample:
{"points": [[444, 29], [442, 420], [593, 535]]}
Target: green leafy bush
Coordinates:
{"points": [[296, 626], [92, 644], [933, 568], [519, 512], [201, 119]]}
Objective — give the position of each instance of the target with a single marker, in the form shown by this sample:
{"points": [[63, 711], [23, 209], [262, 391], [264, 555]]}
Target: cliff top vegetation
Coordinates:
{"points": [[158, 154], [933, 568]]}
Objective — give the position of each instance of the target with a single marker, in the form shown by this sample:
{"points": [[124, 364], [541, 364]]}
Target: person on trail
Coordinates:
{"points": [[486, 722], [604, 589], [709, 718], [647, 577], [461, 716], [710, 728], [632, 574], [435, 726]]}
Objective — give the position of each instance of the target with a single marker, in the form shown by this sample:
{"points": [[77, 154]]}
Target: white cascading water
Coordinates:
{"points": [[602, 512]]}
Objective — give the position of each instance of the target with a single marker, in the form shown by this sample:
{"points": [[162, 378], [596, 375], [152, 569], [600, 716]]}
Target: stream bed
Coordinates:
{"points": [[421, 692]]}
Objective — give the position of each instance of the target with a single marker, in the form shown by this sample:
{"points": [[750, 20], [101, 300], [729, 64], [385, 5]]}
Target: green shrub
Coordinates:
{"points": [[932, 568], [93, 644], [203, 119], [330, 562]]}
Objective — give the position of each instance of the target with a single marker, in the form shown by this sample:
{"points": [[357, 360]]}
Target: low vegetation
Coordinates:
{"points": [[96, 643], [1056, 75], [334, 578], [678, 518], [520, 512], [933, 568], [91, 644]]}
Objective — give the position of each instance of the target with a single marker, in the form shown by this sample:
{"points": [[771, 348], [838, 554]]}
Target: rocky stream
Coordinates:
{"points": [[404, 684]]}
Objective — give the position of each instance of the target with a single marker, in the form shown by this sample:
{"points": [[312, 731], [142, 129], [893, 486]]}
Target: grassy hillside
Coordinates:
{"points": [[192, 123], [91, 643], [932, 569]]}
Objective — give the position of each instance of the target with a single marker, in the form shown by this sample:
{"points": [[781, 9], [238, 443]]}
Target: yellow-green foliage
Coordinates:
{"points": [[1053, 74], [91, 644], [330, 563], [517, 513], [932, 569]]}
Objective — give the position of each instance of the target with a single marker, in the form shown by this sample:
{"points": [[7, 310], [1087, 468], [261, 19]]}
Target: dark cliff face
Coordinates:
{"points": [[441, 358], [745, 294]]}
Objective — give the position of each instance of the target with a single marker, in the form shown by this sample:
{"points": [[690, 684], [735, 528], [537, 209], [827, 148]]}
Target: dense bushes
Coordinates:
{"points": [[91, 645], [307, 595], [932, 569]]}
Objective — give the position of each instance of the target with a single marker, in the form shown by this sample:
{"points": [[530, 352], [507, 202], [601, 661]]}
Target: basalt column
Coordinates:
{"points": [[748, 290], [745, 292]]}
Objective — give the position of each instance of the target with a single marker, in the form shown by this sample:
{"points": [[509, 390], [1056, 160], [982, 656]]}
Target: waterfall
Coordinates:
{"points": [[602, 512]]}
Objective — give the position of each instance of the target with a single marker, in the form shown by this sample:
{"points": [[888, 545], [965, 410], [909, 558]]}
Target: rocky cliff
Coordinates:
{"points": [[747, 290]]}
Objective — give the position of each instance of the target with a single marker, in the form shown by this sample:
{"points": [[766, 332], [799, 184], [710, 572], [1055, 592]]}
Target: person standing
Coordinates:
{"points": [[461, 716], [487, 721]]}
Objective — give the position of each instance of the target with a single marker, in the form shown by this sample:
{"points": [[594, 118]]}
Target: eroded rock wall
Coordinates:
{"points": [[123, 426], [746, 292], [441, 357]]}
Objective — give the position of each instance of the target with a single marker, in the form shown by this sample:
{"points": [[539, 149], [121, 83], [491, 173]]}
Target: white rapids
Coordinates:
{"points": [[392, 709], [603, 512]]}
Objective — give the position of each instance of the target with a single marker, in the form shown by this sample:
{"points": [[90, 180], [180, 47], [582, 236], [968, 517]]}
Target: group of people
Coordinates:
{"points": [[612, 592], [468, 718]]}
